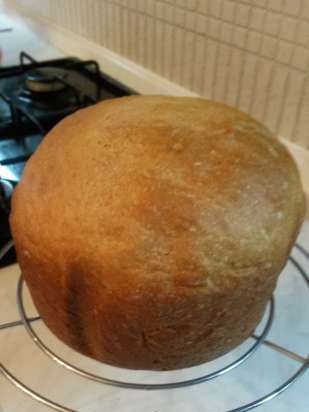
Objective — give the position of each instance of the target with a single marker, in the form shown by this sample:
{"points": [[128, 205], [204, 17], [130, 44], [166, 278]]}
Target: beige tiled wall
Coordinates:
{"points": [[250, 53]]}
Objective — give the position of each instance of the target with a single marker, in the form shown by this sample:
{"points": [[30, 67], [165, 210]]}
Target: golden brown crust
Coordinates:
{"points": [[151, 230]]}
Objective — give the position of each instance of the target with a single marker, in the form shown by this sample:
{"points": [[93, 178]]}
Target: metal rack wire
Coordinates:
{"points": [[259, 340]]}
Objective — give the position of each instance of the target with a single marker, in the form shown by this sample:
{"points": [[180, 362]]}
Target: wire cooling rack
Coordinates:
{"points": [[258, 340]]}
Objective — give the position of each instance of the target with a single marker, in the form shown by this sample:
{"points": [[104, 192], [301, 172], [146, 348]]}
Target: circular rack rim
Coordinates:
{"points": [[133, 385]]}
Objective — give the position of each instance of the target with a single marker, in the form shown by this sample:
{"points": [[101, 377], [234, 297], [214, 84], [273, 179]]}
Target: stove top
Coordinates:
{"points": [[34, 96]]}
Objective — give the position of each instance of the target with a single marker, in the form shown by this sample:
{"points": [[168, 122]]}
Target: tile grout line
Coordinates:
{"points": [[256, 69], [287, 83], [242, 69], [293, 137], [228, 75], [215, 68], [273, 68]]}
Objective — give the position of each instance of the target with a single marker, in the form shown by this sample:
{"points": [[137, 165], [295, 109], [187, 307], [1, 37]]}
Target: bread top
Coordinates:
{"points": [[159, 187]]}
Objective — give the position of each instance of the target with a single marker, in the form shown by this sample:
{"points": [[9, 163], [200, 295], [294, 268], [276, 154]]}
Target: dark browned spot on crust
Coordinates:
{"points": [[76, 293]]}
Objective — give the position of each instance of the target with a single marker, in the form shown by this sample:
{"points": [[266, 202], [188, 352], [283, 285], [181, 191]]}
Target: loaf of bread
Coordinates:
{"points": [[151, 230]]}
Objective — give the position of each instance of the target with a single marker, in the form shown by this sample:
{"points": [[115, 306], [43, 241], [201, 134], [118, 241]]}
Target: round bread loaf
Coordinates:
{"points": [[151, 230]]}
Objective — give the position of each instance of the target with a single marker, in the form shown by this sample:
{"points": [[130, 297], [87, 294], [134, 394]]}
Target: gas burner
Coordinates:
{"points": [[48, 88], [46, 80]]}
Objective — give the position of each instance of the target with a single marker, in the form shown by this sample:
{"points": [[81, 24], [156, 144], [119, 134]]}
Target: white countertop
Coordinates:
{"points": [[16, 36], [261, 374]]}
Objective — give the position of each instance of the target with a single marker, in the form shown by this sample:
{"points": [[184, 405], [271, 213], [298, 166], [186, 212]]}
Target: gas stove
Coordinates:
{"points": [[34, 96]]}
